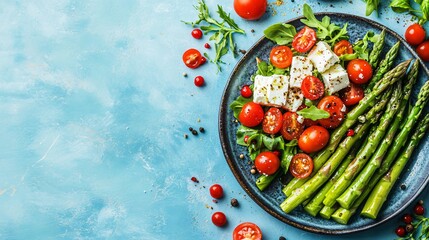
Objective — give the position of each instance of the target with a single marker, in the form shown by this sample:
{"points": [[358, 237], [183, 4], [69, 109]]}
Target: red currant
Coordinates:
{"points": [[199, 81], [216, 191], [197, 33], [407, 218], [246, 91], [219, 219], [419, 209], [207, 45], [400, 231]]}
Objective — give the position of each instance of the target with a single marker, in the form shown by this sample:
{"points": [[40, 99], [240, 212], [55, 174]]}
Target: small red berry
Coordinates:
{"points": [[419, 209], [207, 45], [246, 138], [277, 153], [400, 231], [194, 179], [203, 60], [219, 219], [246, 91], [350, 132], [199, 81], [407, 218], [216, 191], [197, 33]]}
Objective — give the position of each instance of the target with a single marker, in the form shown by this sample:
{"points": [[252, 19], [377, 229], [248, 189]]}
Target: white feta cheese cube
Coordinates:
{"points": [[335, 79], [277, 90], [260, 90], [294, 100], [322, 56], [300, 68]]}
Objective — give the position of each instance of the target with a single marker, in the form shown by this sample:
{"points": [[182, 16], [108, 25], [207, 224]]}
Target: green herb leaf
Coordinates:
{"points": [[238, 104], [266, 69], [313, 113], [400, 6], [289, 151], [280, 33], [371, 6]]}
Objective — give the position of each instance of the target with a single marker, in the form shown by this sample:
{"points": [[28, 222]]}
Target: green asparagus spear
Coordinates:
{"points": [[374, 56], [385, 65], [389, 79], [316, 203], [264, 181], [379, 194], [327, 212], [366, 151], [304, 192], [361, 182]]}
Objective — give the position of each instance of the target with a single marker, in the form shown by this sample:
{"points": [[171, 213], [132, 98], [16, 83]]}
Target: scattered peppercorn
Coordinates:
{"points": [[234, 202], [202, 130], [409, 228], [403, 186], [194, 179], [420, 202], [194, 132], [242, 51], [191, 129], [185, 136], [185, 74], [252, 30], [241, 156], [214, 200], [253, 171], [281, 237]]}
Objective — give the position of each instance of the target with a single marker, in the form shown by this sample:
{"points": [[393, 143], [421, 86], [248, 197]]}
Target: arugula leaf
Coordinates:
{"points": [[361, 47], [400, 6], [266, 69], [313, 113], [280, 33], [238, 104], [222, 31], [371, 6]]}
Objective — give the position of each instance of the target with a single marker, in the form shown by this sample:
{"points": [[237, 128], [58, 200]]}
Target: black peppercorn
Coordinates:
{"points": [[403, 186], [234, 202], [409, 228], [194, 132], [191, 129], [202, 129], [282, 238]]}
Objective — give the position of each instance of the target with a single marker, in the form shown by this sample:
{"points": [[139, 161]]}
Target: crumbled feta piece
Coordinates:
{"points": [[300, 68], [335, 79], [322, 56], [300, 119], [294, 99], [271, 90]]}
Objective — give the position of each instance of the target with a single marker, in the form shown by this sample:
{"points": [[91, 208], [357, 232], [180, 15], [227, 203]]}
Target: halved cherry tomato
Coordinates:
{"points": [[250, 9], [247, 231], [359, 71], [267, 163], [415, 34], [343, 47], [273, 121], [192, 58], [301, 165], [251, 114], [352, 94], [281, 56], [336, 109], [423, 51], [313, 139], [291, 127], [304, 40], [312, 88]]}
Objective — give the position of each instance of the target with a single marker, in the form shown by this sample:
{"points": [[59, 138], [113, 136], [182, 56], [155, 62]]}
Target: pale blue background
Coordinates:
{"points": [[93, 109]]}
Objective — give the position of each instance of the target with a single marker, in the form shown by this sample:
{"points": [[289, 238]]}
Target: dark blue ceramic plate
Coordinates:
{"points": [[416, 175]]}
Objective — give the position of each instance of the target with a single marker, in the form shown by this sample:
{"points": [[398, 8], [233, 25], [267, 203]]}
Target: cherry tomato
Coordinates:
{"points": [[336, 109], [291, 127], [301, 165], [247, 231], [216, 191], [273, 121], [197, 33], [251, 114], [219, 219], [199, 81], [343, 47], [267, 163], [400, 231], [359, 71], [313, 139], [415, 34], [419, 209], [312, 88], [246, 91], [281, 56], [192, 58], [304, 40], [352, 95], [423, 51], [250, 9], [407, 218], [207, 45]]}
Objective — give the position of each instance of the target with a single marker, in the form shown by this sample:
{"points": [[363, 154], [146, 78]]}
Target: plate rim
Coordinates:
{"points": [[235, 169]]}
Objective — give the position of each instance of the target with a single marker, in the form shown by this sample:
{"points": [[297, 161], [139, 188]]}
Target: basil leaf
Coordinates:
{"points": [[400, 6], [313, 113], [288, 153], [238, 104], [371, 6], [273, 143], [280, 33]]}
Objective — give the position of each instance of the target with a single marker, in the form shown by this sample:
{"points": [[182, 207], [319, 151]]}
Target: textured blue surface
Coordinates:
{"points": [[93, 109]]}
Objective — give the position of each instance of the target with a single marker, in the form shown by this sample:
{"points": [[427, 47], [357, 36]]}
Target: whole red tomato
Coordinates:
{"points": [[250, 9], [251, 115]]}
